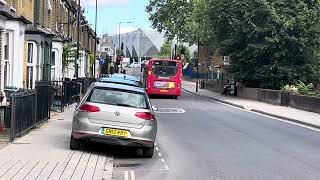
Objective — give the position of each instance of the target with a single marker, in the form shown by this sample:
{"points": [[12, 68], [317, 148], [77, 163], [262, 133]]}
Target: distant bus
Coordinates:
{"points": [[163, 77]]}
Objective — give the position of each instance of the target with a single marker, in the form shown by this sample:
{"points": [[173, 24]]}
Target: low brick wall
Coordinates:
{"points": [[280, 98], [305, 103]]}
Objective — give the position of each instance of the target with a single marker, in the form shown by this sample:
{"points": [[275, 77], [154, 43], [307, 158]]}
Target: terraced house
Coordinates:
{"points": [[33, 34]]}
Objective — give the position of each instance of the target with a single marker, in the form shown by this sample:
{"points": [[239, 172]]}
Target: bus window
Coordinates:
{"points": [[164, 68]]}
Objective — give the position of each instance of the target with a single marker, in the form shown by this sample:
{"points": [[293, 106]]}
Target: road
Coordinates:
{"points": [[215, 141]]}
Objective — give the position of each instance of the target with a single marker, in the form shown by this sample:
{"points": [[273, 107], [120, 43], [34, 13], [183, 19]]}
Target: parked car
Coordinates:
{"points": [[115, 114], [119, 81], [135, 65], [127, 77]]}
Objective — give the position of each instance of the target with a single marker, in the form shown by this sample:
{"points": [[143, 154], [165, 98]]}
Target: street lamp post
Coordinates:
{"points": [[95, 40], [120, 35], [76, 73]]}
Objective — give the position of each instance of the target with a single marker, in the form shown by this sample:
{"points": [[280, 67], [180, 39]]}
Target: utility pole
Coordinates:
{"points": [[95, 41], [197, 83], [76, 73]]}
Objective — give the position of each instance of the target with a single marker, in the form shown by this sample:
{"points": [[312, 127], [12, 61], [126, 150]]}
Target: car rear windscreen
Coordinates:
{"points": [[164, 68], [118, 98]]}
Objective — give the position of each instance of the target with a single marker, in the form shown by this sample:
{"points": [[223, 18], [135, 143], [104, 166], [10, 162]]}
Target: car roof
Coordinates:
{"points": [[118, 86], [118, 81], [157, 59], [125, 76]]}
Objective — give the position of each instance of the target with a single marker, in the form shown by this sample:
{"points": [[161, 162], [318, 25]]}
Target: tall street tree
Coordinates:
{"points": [[271, 42]]}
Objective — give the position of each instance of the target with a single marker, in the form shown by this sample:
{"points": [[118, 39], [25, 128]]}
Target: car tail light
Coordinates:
{"points": [[89, 108], [145, 116]]}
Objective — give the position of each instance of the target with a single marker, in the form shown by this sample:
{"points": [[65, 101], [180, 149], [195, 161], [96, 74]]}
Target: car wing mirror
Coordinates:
{"points": [[155, 108]]}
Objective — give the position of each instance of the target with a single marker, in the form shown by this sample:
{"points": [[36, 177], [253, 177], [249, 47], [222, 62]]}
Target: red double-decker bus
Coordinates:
{"points": [[163, 77]]}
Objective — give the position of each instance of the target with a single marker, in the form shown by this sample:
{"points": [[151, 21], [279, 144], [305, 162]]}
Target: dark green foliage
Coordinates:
{"points": [[271, 42]]}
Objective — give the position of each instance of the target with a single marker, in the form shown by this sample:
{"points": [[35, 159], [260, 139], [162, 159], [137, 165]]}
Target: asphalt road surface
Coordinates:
{"points": [[209, 140]]}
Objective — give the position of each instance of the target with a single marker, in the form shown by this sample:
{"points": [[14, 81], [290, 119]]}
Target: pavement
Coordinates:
{"points": [[286, 113], [44, 154]]}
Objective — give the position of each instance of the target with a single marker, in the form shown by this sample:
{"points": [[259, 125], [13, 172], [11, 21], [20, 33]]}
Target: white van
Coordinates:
{"points": [[125, 62]]}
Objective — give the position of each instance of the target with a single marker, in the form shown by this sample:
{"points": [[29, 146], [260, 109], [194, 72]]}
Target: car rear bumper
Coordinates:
{"points": [[83, 129]]}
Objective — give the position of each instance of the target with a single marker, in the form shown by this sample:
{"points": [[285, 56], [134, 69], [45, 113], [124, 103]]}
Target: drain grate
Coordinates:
{"points": [[127, 165]]}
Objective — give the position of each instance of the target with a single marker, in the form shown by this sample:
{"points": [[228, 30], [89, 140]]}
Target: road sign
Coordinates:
{"points": [[102, 61], [226, 60]]}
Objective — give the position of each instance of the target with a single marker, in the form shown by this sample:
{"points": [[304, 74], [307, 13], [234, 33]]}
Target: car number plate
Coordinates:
{"points": [[115, 132]]}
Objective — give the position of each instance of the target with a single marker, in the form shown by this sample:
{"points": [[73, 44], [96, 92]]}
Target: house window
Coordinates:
{"points": [[7, 69], [6, 47], [53, 57], [31, 67], [53, 65], [30, 52], [30, 77]]}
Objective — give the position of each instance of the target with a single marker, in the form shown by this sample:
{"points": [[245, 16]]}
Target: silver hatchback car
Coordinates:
{"points": [[115, 114]]}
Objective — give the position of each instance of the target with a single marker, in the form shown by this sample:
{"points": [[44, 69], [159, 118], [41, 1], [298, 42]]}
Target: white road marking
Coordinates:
{"points": [[126, 175], [132, 175], [163, 160], [166, 167], [157, 148], [155, 144], [159, 154]]}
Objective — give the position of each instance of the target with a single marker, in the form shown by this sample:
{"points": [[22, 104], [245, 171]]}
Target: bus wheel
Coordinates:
{"points": [[175, 97]]}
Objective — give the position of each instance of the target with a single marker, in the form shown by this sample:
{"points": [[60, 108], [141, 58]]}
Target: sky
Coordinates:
{"points": [[111, 12]]}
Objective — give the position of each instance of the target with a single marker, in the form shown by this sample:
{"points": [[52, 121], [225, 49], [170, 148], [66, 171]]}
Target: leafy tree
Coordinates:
{"points": [[66, 55], [171, 17], [183, 48], [271, 42], [188, 20], [165, 50]]}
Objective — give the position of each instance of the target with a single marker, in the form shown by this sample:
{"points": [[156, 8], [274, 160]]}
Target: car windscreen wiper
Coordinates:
{"points": [[126, 105]]}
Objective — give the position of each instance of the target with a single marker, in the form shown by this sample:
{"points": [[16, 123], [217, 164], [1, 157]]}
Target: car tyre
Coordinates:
{"points": [[74, 144], [148, 152]]}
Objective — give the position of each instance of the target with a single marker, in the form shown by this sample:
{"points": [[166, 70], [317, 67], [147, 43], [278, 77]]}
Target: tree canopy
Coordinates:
{"points": [[271, 42]]}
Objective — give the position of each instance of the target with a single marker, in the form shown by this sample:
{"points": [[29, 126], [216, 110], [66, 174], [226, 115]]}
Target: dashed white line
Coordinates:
{"points": [[132, 175], [159, 154], [166, 167], [157, 148], [163, 160], [126, 175]]}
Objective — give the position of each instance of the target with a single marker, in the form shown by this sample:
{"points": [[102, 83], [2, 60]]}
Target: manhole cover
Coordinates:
{"points": [[171, 110]]}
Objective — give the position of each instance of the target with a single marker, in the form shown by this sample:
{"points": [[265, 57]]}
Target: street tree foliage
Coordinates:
{"points": [[186, 20], [165, 50], [170, 17], [66, 55], [184, 48], [271, 42]]}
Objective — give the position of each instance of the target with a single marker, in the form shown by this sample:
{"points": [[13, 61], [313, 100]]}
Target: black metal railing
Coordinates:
{"points": [[65, 94]]}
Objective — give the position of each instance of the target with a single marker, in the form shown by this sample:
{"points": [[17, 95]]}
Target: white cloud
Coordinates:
{"points": [[90, 3]]}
